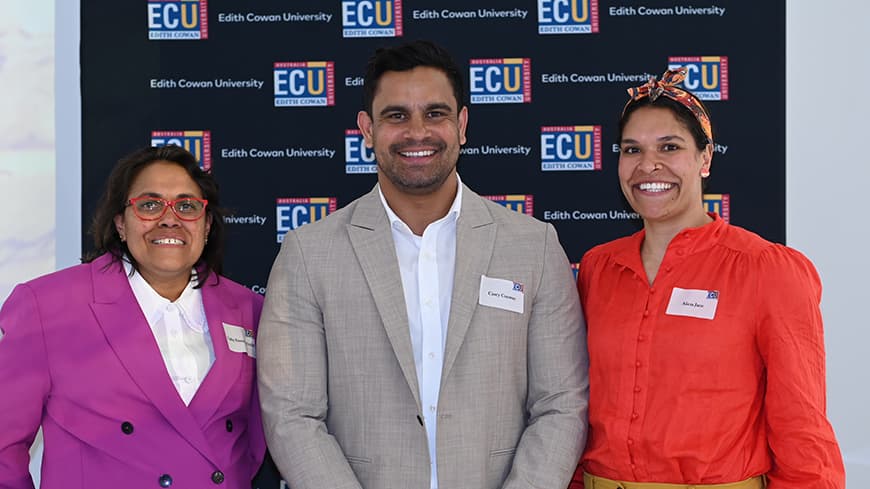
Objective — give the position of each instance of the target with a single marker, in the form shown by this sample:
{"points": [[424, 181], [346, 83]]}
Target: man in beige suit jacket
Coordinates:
{"points": [[348, 398]]}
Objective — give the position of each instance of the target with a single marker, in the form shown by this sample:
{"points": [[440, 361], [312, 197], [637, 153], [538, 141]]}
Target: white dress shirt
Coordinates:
{"points": [[427, 265], [181, 331]]}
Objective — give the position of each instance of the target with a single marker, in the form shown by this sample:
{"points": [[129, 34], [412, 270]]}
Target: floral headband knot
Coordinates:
{"points": [[667, 86]]}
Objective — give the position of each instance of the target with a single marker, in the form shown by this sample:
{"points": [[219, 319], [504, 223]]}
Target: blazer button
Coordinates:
{"points": [[230, 425], [165, 480], [127, 428], [217, 477]]}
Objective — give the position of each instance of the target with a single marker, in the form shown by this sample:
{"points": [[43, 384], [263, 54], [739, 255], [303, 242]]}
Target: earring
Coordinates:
{"points": [[705, 173]]}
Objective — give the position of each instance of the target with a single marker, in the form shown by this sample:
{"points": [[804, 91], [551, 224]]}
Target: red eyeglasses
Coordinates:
{"points": [[150, 208]]}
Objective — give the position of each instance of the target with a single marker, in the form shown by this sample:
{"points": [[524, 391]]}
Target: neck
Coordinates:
{"points": [[168, 288], [658, 235], [418, 211]]}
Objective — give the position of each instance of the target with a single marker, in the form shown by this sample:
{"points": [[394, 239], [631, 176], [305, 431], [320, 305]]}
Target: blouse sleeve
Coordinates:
{"points": [[24, 381], [791, 343]]}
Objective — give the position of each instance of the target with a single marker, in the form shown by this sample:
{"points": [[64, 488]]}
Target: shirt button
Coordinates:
{"points": [[637, 364], [634, 415], [637, 388], [165, 480], [432, 408], [229, 425], [633, 466], [127, 428], [217, 477], [652, 290], [630, 441], [431, 355], [681, 252], [668, 269], [641, 337], [646, 313]]}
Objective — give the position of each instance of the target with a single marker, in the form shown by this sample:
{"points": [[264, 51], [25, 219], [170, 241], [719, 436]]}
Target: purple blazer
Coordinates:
{"points": [[78, 358]]}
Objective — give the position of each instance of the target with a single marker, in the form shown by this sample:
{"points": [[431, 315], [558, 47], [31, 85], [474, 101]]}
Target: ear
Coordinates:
{"points": [[119, 226], [463, 124], [364, 122], [208, 218], [706, 160]]}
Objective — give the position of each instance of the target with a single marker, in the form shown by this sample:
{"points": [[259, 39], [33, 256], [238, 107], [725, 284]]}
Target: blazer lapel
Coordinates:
{"points": [[475, 239], [372, 241], [219, 309], [124, 326]]}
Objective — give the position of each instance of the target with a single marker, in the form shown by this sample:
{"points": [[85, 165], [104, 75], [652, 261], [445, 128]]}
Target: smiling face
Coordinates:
{"points": [[415, 129], [660, 168], [167, 248]]}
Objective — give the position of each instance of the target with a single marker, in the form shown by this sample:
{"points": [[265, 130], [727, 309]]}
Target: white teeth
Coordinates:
{"points": [[168, 241], [655, 186], [417, 154]]}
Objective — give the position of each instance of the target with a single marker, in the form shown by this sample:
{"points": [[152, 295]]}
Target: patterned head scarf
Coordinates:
{"points": [[668, 87]]}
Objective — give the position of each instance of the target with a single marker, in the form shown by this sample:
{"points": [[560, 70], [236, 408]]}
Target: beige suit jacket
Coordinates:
{"points": [[336, 369]]}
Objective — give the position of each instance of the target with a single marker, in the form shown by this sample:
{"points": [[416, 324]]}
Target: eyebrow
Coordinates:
{"points": [[662, 139], [403, 108], [179, 196]]}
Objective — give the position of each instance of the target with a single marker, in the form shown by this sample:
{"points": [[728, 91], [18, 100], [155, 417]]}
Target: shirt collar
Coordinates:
{"points": [[452, 213], [688, 241], [153, 305]]}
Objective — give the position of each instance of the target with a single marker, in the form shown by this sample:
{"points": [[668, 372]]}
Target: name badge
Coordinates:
{"points": [[240, 340], [693, 303], [501, 294]]}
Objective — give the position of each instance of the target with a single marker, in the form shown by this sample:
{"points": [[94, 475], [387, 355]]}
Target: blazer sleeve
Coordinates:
{"points": [[25, 383], [292, 377], [558, 391], [256, 439]]}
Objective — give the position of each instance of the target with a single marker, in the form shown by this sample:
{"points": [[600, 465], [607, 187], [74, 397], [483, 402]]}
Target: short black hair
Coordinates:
{"points": [[114, 201], [407, 57]]}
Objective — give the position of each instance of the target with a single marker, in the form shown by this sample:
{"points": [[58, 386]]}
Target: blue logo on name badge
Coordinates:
{"points": [[197, 142], [371, 18], [500, 80], [357, 157], [713, 294], [567, 16], [177, 19], [293, 212], [524, 204], [706, 76], [570, 148]]}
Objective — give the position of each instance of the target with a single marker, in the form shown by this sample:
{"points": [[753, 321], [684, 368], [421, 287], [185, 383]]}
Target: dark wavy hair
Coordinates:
{"points": [[114, 201], [680, 111], [407, 57]]}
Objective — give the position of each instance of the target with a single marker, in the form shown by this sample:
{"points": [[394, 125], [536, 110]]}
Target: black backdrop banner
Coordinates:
{"points": [[265, 93]]}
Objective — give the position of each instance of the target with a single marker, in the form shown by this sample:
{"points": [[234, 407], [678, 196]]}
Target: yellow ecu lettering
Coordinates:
{"points": [[582, 145], [316, 87], [584, 8], [384, 13], [512, 86], [189, 15], [713, 72]]}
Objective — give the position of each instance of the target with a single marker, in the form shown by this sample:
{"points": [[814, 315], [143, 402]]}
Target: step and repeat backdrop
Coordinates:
{"points": [[265, 93]]}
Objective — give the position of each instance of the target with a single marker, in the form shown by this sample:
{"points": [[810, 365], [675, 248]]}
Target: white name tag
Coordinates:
{"points": [[693, 303], [240, 340], [501, 294]]}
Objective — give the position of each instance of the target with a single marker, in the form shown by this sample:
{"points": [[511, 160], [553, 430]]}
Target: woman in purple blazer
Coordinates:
{"points": [[139, 363]]}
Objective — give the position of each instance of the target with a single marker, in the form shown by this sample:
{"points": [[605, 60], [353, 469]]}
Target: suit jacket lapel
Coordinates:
{"points": [[372, 241], [475, 239], [121, 319], [219, 309]]}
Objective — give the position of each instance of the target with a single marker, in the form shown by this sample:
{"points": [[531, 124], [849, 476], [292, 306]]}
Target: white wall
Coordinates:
{"points": [[827, 111]]}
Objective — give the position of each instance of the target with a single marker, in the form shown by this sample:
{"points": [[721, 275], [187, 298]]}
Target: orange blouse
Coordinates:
{"points": [[679, 398]]}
